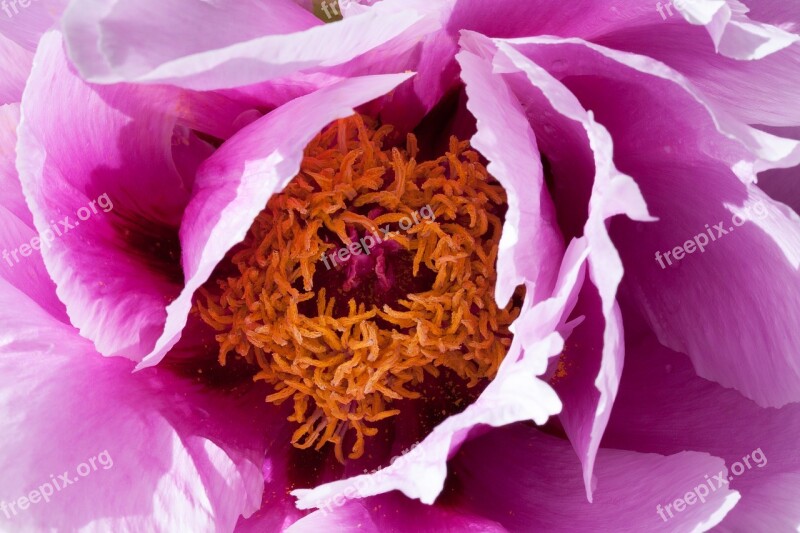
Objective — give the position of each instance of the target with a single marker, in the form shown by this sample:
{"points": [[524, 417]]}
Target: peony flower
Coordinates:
{"points": [[443, 265]]}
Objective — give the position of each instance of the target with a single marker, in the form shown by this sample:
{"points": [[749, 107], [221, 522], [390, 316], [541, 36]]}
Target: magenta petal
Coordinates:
{"points": [[783, 185], [734, 34], [745, 149], [111, 41], [511, 18], [112, 267], [424, 48], [234, 184], [613, 193], [756, 92], [13, 199], [703, 416], [587, 384], [735, 348], [529, 481]]}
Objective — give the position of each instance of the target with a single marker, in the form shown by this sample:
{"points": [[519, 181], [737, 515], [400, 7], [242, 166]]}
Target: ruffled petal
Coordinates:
{"points": [[761, 91], [680, 138], [510, 18], [425, 48], [588, 393], [514, 394], [223, 45], [734, 34], [748, 67], [531, 245], [783, 185], [745, 149]]}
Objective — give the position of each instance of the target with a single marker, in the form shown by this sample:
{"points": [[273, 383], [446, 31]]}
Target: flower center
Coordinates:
{"points": [[367, 272]]}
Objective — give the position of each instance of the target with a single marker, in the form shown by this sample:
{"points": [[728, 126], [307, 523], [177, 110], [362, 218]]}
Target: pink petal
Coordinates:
{"points": [[15, 62], [154, 467], [511, 18], [757, 92], [25, 272], [531, 244], [734, 348], [424, 48], [613, 193], [783, 185], [734, 34], [25, 24], [670, 120], [746, 149], [666, 135], [222, 45]]}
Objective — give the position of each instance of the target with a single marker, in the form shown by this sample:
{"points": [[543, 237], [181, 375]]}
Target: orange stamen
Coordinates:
{"points": [[343, 368]]}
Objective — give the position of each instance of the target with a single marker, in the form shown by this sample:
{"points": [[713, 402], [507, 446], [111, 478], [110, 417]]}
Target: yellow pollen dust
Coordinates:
{"points": [[343, 370]]}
